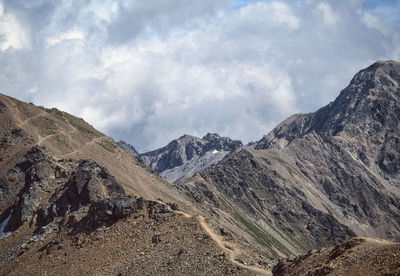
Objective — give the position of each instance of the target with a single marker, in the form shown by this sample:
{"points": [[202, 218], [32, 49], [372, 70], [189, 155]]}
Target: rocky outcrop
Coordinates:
{"points": [[73, 218], [54, 190], [188, 155]]}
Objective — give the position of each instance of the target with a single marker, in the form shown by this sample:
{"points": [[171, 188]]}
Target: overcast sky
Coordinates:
{"points": [[149, 71]]}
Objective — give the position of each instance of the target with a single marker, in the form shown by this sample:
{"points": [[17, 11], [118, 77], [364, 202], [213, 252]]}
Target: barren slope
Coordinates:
{"points": [[73, 217], [357, 256], [317, 178], [67, 136]]}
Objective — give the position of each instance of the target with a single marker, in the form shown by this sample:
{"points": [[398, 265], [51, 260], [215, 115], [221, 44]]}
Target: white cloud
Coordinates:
{"points": [[71, 34], [12, 33], [330, 18], [269, 13], [148, 72]]}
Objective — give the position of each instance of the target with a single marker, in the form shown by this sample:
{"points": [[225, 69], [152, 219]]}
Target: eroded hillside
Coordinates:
{"points": [[317, 178]]}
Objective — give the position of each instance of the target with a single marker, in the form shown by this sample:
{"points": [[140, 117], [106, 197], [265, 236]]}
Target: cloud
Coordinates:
{"points": [[12, 32], [329, 17], [149, 71], [274, 13]]}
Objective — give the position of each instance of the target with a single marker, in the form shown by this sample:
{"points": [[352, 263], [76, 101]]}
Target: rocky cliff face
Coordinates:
{"points": [[188, 155], [368, 106], [52, 190], [317, 178]]}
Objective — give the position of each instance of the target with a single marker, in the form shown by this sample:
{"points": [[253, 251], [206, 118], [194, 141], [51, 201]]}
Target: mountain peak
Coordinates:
{"points": [[369, 103], [211, 136], [184, 156], [381, 73]]}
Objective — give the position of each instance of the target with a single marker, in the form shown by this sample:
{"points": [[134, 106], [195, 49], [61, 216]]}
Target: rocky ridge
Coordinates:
{"points": [[187, 155], [317, 178], [64, 135]]}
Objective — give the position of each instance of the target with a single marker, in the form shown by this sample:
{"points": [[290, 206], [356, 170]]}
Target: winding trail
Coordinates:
{"points": [[232, 250], [21, 123], [229, 247]]}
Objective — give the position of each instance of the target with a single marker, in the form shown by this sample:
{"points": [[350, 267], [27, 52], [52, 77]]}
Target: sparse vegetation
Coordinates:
{"points": [[84, 128], [107, 145], [62, 142]]}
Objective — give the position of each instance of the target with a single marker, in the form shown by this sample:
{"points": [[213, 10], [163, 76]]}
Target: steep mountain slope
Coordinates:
{"points": [[187, 155], [25, 125], [71, 203], [357, 256], [73, 218], [317, 178]]}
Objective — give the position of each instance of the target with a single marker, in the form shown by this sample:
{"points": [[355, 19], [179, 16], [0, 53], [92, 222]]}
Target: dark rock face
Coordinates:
{"points": [[369, 105], [322, 177], [51, 190], [125, 146], [187, 155]]}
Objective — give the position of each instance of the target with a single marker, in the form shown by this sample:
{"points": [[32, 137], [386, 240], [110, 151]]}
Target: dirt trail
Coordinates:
{"points": [[232, 249], [42, 138], [84, 145]]}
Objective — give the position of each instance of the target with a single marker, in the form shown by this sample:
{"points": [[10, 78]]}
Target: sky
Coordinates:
{"points": [[149, 71]]}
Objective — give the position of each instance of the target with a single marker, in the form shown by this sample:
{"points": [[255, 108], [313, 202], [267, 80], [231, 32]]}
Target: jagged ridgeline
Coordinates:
{"points": [[73, 202], [317, 178], [187, 155]]}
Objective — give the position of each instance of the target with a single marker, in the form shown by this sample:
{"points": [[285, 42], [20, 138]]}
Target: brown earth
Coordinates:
{"points": [[357, 256], [318, 178], [70, 137], [142, 244], [172, 243]]}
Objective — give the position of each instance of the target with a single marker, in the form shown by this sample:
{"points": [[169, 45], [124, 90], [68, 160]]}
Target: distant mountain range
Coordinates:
{"points": [[185, 156]]}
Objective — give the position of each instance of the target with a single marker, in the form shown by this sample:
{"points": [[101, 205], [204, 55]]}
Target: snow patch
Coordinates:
{"points": [[2, 226], [215, 151]]}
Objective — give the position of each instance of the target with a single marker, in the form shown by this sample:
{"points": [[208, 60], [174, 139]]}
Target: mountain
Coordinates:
{"points": [[25, 125], [317, 178], [188, 155], [125, 146], [73, 203], [357, 256], [369, 105]]}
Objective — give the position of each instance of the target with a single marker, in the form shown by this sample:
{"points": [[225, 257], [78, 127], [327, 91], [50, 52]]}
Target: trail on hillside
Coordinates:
{"points": [[22, 123], [232, 250]]}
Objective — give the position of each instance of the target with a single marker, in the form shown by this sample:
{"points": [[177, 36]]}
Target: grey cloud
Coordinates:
{"points": [[147, 17], [175, 68]]}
